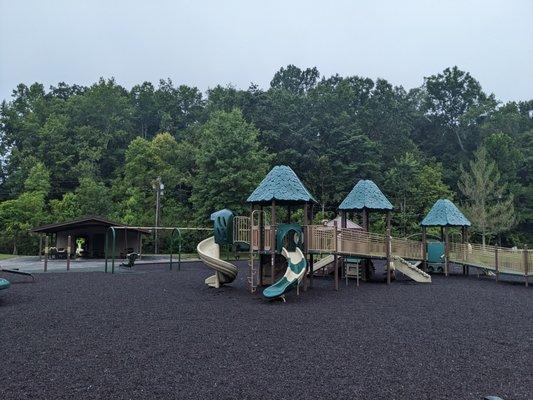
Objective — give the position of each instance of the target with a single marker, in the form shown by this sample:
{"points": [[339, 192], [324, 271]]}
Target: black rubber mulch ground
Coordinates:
{"points": [[161, 334]]}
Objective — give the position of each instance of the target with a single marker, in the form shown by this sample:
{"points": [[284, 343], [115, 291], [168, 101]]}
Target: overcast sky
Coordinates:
{"points": [[204, 43]]}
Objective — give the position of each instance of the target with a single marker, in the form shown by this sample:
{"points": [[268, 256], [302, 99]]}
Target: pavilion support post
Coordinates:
{"points": [[389, 255], [496, 263], [69, 244], [424, 249], [526, 264], [446, 251], [40, 246], [289, 214], [46, 251], [335, 256], [139, 244], [273, 241]]}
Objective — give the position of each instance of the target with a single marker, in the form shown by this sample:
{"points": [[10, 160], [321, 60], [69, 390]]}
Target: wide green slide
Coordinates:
{"points": [[293, 276]]}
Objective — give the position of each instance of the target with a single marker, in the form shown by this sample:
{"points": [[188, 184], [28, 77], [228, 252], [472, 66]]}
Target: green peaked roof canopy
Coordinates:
{"points": [[283, 185], [366, 195], [445, 213]]}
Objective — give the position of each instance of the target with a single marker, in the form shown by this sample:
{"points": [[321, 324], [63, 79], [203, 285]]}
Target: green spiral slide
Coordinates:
{"points": [[293, 276]]}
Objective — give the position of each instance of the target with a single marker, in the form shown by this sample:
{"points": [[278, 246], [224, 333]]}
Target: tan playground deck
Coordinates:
{"points": [[350, 242]]}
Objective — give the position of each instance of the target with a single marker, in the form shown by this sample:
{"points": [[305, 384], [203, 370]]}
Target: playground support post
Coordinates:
{"points": [[69, 244], [343, 219], [311, 262], [446, 251], [272, 241], [463, 248], [424, 249], [311, 217], [335, 256], [46, 250], [388, 253], [467, 240], [306, 246], [366, 227], [261, 223]]}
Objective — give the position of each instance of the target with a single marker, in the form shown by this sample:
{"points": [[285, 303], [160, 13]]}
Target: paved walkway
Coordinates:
{"points": [[33, 265]]}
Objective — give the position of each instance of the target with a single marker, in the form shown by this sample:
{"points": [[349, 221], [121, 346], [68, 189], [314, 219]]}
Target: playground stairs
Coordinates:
{"points": [[410, 270]]}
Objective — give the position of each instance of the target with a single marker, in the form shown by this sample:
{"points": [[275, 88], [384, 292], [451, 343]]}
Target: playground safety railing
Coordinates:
{"points": [[406, 249], [241, 229], [503, 259], [244, 232], [357, 242], [321, 239]]}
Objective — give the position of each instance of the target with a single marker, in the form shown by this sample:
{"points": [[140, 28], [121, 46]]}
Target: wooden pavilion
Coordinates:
{"points": [[91, 230]]}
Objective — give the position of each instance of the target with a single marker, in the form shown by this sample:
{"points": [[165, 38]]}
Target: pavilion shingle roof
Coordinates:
{"points": [[366, 195], [445, 213], [283, 185]]}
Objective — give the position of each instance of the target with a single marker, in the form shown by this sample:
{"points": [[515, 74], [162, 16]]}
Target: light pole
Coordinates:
{"points": [[158, 187]]}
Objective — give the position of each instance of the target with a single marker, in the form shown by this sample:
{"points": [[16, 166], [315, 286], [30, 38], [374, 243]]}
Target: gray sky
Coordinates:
{"points": [[204, 43]]}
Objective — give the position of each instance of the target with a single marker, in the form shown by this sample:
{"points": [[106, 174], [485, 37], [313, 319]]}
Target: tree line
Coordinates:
{"points": [[77, 150]]}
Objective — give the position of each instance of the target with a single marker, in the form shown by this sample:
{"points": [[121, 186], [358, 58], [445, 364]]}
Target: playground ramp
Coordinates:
{"points": [[209, 253], [410, 270]]}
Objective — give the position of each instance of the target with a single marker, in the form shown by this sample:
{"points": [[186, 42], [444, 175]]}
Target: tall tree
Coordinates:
{"points": [[454, 99], [488, 205], [230, 163], [18, 215], [294, 79]]}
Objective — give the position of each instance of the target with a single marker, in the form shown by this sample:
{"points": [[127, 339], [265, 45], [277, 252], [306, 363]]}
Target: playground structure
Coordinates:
{"points": [[269, 263]]}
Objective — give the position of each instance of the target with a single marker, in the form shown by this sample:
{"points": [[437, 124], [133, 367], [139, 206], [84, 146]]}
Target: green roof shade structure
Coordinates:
{"points": [[366, 195], [445, 213], [282, 185]]}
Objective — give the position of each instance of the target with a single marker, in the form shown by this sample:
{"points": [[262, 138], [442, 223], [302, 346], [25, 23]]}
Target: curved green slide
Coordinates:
{"points": [[294, 274]]}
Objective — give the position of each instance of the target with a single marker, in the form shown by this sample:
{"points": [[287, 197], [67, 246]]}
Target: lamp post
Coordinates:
{"points": [[158, 187]]}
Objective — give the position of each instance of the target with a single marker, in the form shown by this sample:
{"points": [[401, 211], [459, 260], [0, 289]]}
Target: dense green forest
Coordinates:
{"points": [[74, 150]]}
